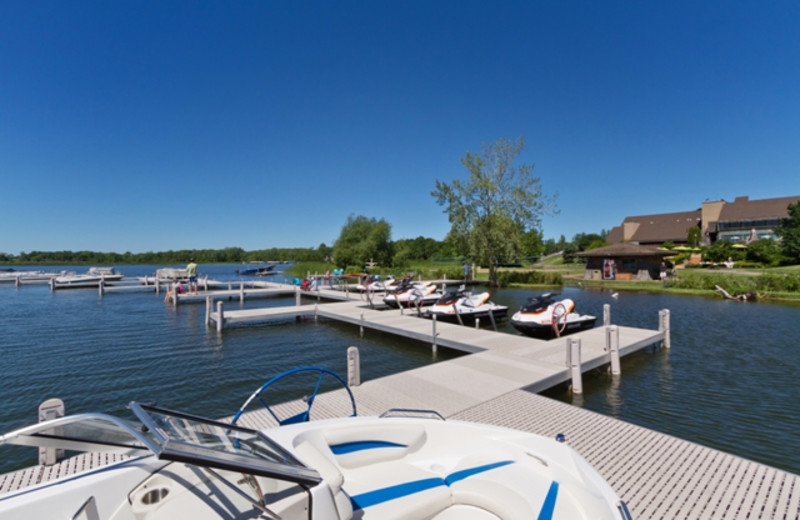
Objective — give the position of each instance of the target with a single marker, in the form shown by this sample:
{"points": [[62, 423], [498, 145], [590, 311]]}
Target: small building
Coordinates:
{"points": [[624, 262]]}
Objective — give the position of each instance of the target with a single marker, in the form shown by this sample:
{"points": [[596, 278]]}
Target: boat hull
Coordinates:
{"points": [[545, 331]]}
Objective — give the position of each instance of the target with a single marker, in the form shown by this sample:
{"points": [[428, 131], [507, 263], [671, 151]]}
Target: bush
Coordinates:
{"points": [[507, 278]]}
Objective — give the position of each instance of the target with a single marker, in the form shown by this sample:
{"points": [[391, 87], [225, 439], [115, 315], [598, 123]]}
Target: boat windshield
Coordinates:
{"points": [[204, 442], [170, 435], [83, 432]]}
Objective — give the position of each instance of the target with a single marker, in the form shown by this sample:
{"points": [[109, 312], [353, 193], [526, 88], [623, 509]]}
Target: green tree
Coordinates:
{"points": [[490, 213], [789, 233], [362, 240], [766, 252], [694, 236]]}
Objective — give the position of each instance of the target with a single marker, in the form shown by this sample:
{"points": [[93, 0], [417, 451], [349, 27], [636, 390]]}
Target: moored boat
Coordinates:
{"points": [[92, 278], [544, 317], [412, 294], [464, 306], [403, 464]]}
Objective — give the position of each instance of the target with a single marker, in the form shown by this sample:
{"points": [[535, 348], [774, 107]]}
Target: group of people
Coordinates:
{"points": [[176, 287]]}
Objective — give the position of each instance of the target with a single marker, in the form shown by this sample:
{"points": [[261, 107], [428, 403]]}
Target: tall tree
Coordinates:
{"points": [[491, 212], [362, 240], [789, 232]]}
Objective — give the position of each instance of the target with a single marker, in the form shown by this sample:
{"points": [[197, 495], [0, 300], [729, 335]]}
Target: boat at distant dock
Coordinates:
{"points": [[257, 269], [92, 278]]}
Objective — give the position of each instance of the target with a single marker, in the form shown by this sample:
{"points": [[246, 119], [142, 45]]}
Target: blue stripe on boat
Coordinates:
{"points": [[549, 505], [370, 498], [378, 496], [464, 473], [350, 447]]}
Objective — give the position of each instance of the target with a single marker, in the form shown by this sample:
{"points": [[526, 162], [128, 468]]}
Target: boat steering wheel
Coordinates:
{"points": [[305, 415], [558, 325]]}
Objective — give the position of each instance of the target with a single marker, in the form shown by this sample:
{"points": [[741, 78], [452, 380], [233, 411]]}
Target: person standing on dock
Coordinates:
{"points": [[191, 272]]}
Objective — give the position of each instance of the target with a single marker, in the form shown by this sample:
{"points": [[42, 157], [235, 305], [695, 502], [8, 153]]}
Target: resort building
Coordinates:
{"points": [[741, 221]]}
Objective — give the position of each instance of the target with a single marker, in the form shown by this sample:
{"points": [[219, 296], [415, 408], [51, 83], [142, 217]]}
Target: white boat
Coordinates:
{"points": [[412, 294], [11, 275], [402, 465], [464, 306], [545, 317], [165, 275], [373, 284], [92, 278]]}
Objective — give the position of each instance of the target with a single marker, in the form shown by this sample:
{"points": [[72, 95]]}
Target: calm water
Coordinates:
{"points": [[728, 382]]}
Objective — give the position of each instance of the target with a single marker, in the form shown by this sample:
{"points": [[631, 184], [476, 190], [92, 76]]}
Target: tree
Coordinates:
{"points": [[789, 232], [694, 236], [362, 240], [490, 213]]}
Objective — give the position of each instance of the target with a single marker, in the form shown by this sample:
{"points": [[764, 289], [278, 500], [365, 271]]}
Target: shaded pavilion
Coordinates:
{"points": [[624, 262]]}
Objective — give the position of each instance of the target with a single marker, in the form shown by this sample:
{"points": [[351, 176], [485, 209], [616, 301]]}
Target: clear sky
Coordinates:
{"points": [[150, 125]]}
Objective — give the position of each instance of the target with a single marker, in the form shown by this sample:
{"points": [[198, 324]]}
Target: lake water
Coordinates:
{"points": [[728, 382]]}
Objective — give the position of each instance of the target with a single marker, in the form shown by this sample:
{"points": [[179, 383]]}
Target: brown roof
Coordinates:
{"points": [[745, 209], [663, 227], [624, 250]]}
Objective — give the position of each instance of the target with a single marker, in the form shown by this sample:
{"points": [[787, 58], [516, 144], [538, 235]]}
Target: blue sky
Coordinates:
{"points": [[148, 125]]}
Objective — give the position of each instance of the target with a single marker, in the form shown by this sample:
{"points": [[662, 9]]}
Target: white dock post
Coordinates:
{"points": [[477, 323], [575, 365], [209, 306], [606, 314], [50, 409], [663, 325], [297, 296], [435, 334], [157, 283], [17, 281], [220, 316], [100, 287], [612, 344], [241, 291], [361, 325], [353, 366], [52, 284]]}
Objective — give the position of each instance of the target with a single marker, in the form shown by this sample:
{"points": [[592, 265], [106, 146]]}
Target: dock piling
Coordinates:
{"points": [[574, 346], [606, 314], [612, 345], [663, 326], [209, 306], [434, 347], [220, 316], [50, 409], [353, 366]]}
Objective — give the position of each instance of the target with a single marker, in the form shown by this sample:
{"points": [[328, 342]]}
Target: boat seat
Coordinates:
{"points": [[372, 444], [311, 454]]}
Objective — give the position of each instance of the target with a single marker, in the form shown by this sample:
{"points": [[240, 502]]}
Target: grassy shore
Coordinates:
{"points": [[770, 284]]}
